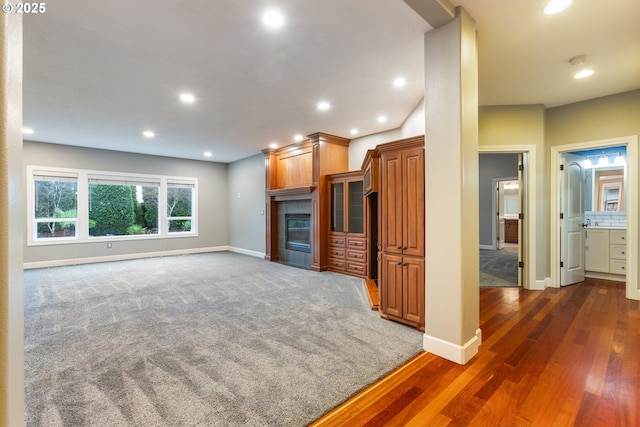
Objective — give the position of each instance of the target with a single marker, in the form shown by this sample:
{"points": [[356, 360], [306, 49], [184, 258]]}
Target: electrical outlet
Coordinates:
{"points": [[109, 245]]}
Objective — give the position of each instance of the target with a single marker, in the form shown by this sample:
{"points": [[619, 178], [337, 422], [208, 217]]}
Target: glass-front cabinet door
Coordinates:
{"points": [[355, 209], [337, 207]]}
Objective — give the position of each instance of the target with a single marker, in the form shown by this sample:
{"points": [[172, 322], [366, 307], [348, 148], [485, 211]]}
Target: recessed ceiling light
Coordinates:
{"points": [[400, 82], [298, 137], [28, 131], [555, 6], [208, 154], [323, 105], [382, 119], [187, 98], [273, 145], [584, 73], [273, 19], [148, 134], [354, 131]]}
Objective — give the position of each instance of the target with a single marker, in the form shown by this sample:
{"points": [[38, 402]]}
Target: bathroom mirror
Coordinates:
{"points": [[604, 189]]}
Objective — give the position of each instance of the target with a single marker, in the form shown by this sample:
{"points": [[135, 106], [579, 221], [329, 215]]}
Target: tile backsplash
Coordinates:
{"points": [[606, 219]]}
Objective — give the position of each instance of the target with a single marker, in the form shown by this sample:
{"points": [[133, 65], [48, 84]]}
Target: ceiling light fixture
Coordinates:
{"points": [[323, 106], [187, 98], [583, 73], [298, 137], [208, 154], [148, 134], [354, 131], [555, 6], [28, 131], [399, 82], [273, 145], [273, 19], [382, 119]]}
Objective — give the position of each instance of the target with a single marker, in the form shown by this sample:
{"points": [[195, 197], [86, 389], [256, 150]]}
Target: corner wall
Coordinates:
{"points": [[247, 220]]}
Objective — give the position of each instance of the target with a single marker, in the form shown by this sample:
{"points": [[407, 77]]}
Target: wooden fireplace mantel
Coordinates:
{"points": [[297, 172]]}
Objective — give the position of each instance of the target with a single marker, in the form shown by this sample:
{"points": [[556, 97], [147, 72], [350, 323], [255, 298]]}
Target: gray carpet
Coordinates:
{"points": [[499, 268], [217, 339]]}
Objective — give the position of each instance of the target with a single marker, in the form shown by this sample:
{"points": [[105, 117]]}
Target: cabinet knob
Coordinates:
{"points": [[622, 252], [399, 247], [404, 248], [398, 263]]}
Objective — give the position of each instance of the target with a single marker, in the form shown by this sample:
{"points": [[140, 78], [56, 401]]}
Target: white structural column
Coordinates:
{"points": [[12, 224], [451, 172]]}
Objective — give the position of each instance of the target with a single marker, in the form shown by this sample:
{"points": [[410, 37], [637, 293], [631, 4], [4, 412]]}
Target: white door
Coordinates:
{"points": [[571, 223], [500, 215]]}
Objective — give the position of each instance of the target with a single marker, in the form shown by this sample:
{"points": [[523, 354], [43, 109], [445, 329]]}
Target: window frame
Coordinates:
{"points": [[82, 201]]}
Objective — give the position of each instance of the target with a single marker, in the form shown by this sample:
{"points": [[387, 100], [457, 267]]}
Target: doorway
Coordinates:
{"points": [[501, 219], [561, 249]]}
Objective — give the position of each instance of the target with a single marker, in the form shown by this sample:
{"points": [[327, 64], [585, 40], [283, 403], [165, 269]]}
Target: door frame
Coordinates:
{"points": [[529, 234], [633, 164]]}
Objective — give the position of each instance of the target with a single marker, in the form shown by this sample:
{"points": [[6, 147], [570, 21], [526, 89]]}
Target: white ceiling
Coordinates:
{"points": [[97, 74]]}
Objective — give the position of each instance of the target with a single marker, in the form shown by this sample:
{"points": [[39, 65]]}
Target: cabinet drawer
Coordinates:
{"points": [[336, 240], [618, 266], [618, 236], [618, 252], [335, 263], [356, 268], [355, 255], [336, 252], [354, 242]]}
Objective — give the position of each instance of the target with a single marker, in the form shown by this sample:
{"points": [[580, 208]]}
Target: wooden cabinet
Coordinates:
{"points": [[511, 230], [347, 243], [402, 231]]}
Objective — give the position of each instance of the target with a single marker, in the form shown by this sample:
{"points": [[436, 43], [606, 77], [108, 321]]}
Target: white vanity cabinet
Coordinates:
{"points": [[605, 253], [618, 251]]}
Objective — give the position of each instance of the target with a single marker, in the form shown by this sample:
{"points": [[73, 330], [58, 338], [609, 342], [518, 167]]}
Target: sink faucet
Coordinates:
{"points": [[588, 222]]}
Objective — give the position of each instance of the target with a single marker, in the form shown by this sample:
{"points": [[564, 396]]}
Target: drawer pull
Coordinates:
{"points": [[622, 252]]}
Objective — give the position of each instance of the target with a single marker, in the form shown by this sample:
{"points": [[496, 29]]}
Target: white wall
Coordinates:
{"points": [[412, 126], [213, 230]]}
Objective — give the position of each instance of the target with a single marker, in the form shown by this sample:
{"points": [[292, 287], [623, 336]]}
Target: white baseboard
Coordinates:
{"points": [[460, 354], [490, 247], [541, 285], [123, 257], [247, 252]]}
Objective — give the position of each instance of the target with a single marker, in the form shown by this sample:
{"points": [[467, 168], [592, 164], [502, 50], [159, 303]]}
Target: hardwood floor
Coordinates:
{"points": [[557, 357]]}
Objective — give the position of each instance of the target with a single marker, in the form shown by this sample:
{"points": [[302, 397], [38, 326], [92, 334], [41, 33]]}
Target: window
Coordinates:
{"points": [[179, 206], [55, 205], [120, 207], [77, 205]]}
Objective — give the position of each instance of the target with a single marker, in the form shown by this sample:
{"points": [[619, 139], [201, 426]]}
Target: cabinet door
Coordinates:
{"points": [[413, 290], [413, 191], [355, 207], [596, 251], [391, 285], [337, 206], [391, 203]]}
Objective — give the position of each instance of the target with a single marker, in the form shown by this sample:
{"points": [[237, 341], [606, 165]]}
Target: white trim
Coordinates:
{"points": [[632, 170], [460, 354], [247, 252], [489, 247], [531, 205], [123, 257], [541, 285]]}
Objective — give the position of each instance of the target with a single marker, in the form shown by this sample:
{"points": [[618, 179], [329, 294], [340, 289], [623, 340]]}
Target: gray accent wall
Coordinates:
{"points": [[213, 230], [492, 166], [247, 224]]}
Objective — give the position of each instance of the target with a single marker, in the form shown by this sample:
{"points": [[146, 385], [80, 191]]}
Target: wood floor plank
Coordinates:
{"points": [[561, 357]]}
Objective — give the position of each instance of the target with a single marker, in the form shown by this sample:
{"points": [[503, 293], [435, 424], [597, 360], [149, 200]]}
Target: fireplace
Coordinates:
{"points": [[298, 232]]}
